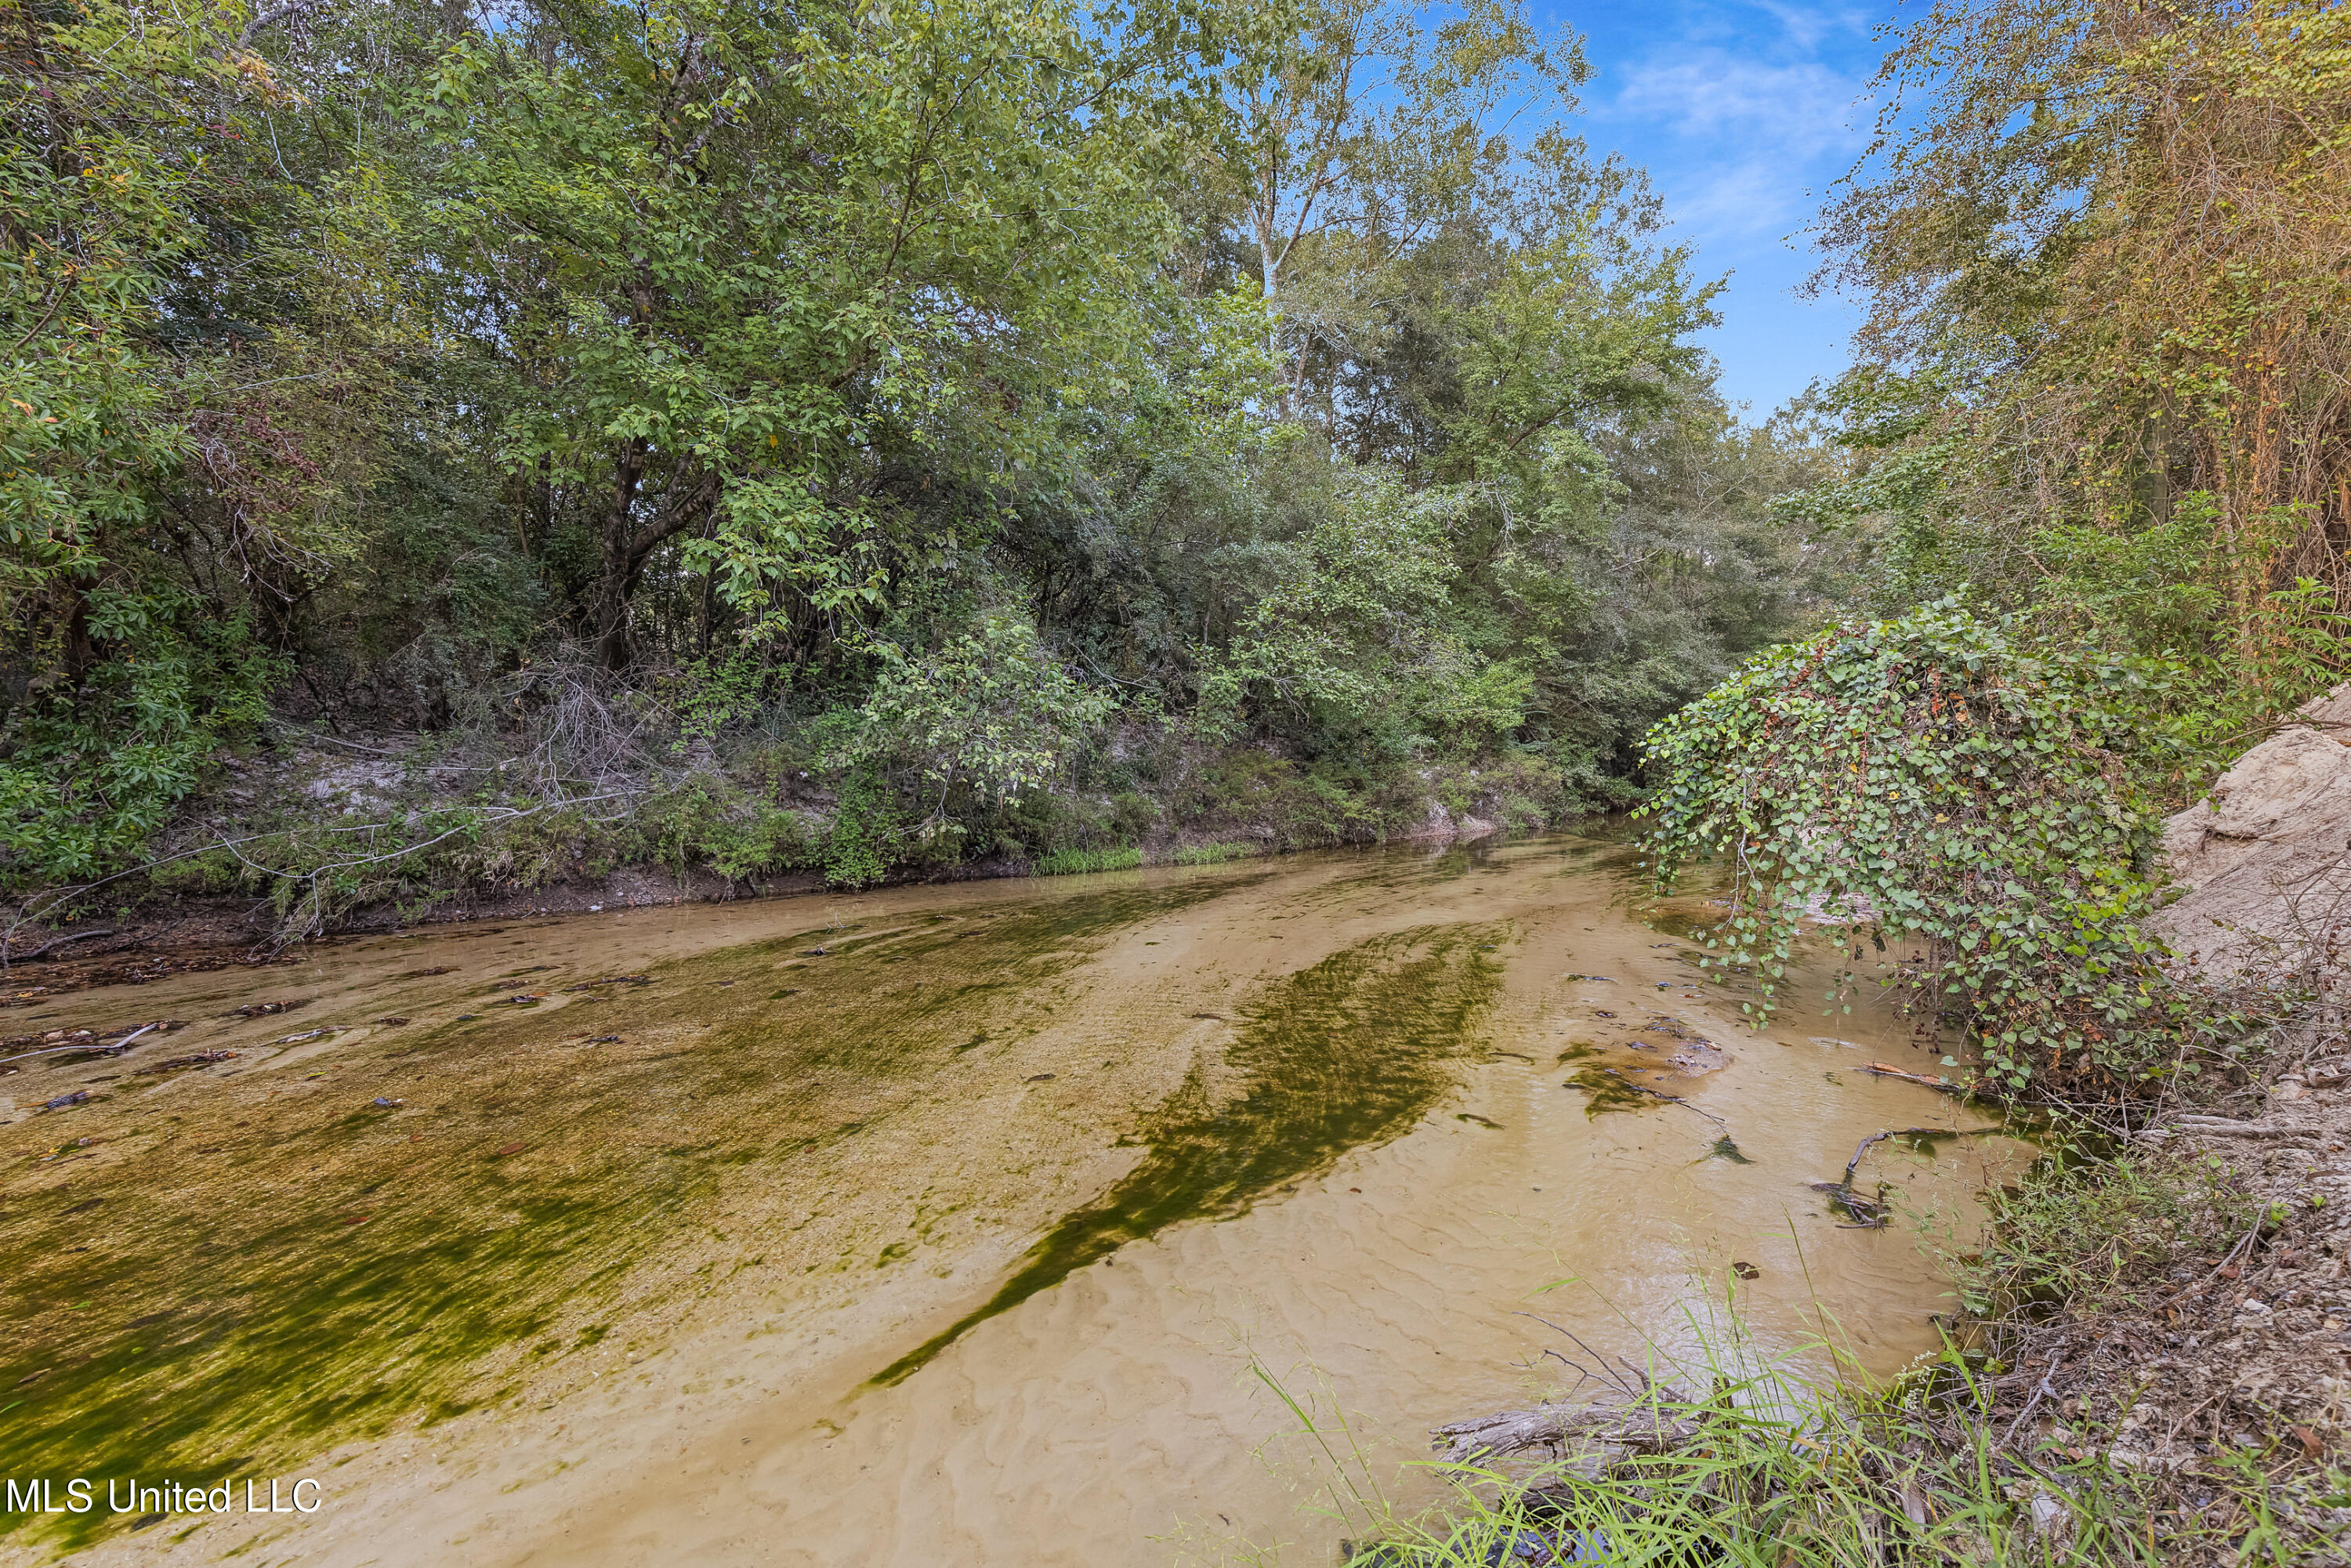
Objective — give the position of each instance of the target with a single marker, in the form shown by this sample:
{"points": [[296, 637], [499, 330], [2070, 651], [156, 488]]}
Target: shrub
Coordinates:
{"points": [[869, 833], [1932, 778], [87, 775]]}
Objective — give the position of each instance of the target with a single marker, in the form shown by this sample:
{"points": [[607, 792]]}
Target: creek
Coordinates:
{"points": [[986, 1224]]}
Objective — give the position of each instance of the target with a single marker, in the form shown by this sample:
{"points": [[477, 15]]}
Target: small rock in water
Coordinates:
{"points": [[389, 1104], [62, 1101], [1697, 1057], [1745, 1271], [1040, 1078]]}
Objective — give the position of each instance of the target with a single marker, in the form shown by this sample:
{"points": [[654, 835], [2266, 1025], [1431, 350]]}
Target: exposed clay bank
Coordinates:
{"points": [[937, 1225]]}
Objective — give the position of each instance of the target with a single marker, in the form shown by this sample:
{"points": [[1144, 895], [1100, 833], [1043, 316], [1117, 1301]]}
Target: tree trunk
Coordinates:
{"points": [[615, 650], [1269, 273], [77, 654], [627, 546], [618, 580]]}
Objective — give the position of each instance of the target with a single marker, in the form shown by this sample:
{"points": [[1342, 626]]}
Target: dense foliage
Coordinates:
{"points": [[1932, 780], [2103, 370], [2098, 429], [933, 404]]}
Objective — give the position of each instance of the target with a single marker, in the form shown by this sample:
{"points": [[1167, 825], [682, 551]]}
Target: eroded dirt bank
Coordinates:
{"points": [[2245, 1352], [933, 1224]]}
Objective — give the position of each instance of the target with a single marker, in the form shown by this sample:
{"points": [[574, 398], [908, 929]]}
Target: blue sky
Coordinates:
{"points": [[1744, 114]]}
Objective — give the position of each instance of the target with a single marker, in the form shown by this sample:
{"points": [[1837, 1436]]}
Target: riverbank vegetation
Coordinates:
{"points": [[835, 440], [848, 443], [2096, 499], [2097, 493], [1766, 1468], [2100, 380]]}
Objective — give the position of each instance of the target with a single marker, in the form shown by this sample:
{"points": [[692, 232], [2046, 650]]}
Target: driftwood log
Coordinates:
{"points": [[1599, 1434], [1883, 1070], [9, 956]]}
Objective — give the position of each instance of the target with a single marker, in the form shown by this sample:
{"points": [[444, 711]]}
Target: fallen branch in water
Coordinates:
{"points": [[1870, 1212], [6, 956], [1937, 1085], [201, 1059], [1862, 1147], [1598, 1433], [117, 1047]]}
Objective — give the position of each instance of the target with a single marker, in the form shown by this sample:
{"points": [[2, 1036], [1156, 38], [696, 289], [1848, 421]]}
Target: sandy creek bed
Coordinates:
{"points": [[954, 1245]]}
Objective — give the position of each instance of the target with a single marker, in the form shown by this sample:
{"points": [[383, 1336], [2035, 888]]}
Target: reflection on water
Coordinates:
{"points": [[823, 1199]]}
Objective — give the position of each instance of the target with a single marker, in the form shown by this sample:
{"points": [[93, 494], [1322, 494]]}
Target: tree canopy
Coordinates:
{"points": [[944, 385]]}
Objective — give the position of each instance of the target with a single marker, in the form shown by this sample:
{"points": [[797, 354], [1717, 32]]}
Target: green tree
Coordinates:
{"points": [[743, 264], [2102, 365], [990, 712], [128, 139]]}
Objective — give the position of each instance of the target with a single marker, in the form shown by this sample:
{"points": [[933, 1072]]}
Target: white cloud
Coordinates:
{"points": [[1752, 142], [1807, 26], [1749, 198], [1745, 114], [1800, 110]]}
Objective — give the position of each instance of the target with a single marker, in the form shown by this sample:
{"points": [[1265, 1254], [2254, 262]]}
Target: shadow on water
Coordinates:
{"points": [[1346, 1055]]}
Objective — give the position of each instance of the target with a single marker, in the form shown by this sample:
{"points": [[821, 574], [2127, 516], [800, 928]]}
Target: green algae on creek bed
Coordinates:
{"points": [[1608, 1091], [1348, 1054], [319, 1277], [266, 1341]]}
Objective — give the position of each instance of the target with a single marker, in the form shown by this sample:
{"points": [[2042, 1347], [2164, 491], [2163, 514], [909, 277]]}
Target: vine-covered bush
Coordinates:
{"points": [[1935, 779]]}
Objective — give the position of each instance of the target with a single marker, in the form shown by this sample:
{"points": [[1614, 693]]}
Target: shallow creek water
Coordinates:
{"points": [[933, 1226]]}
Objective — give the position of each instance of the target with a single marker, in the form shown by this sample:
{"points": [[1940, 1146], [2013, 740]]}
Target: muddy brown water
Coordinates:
{"points": [[972, 1224]]}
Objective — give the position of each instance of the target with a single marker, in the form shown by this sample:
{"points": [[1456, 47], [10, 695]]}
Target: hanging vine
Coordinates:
{"points": [[1933, 780]]}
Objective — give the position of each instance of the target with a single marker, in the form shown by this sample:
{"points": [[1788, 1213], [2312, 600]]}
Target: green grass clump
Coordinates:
{"points": [[1071, 862], [1771, 1469], [1212, 854]]}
